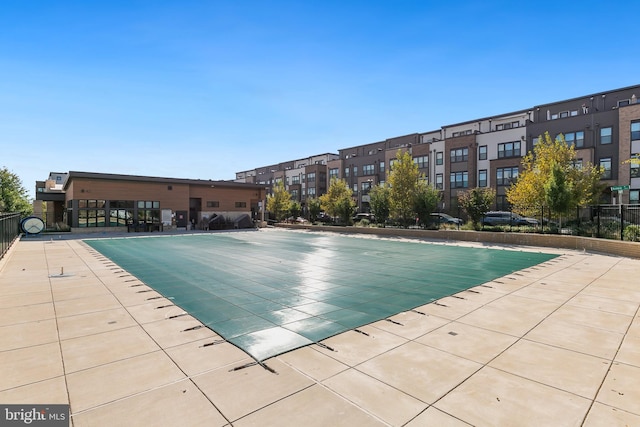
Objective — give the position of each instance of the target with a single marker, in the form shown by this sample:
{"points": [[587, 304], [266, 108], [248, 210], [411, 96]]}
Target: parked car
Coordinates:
{"points": [[444, 218], [507, 218]]}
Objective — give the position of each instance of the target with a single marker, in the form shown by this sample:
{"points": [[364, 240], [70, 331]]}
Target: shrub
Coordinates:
{"points": [[632, 233]]}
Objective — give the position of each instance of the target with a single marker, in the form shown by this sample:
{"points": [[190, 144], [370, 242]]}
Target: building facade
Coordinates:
{"points": [[86, 200], [603, 127]]}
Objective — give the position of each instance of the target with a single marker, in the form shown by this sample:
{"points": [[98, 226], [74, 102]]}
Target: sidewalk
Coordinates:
{"points": [[557, 344]]}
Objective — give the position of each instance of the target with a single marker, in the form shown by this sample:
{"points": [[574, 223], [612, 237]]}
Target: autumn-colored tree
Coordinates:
{"points": [[404, 179], [529, 192], [279, 202], [338, 200]]}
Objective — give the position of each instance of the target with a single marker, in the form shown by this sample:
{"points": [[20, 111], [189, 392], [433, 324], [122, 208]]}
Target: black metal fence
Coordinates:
{"points": [[620, 222], [9, 230]]}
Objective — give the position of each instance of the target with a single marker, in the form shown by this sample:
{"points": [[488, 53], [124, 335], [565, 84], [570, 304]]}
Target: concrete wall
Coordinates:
{"points": [[612, 247]]}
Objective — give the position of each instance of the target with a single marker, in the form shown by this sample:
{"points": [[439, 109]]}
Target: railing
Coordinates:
{"points": [[9, 230]]}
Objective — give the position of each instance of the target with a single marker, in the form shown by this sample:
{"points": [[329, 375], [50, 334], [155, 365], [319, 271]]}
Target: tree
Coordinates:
{"points": [[403, 179], [295, 209], [425, 202], [557, 191], [314, 207], [476, 203], [528, 194], [13, 196], [337, 201], [278, 202], [380, 203]]}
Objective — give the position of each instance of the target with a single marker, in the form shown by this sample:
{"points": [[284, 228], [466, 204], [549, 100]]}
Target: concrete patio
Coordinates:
{"points": [[554, 345]]}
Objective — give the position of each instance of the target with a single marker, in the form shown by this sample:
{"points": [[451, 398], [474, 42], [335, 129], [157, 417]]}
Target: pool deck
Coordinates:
{"points": [[552, 345]]}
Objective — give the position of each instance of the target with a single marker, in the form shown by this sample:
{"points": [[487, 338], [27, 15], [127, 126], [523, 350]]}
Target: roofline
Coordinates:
{"points": [[140, 178]]}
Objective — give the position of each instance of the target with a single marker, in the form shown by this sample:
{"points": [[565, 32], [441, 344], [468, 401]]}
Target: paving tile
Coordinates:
{"points": [[376, 397], [495, 398], [313, 363], [94, 350], [612, 322], [171, 332], [28, 334], [120, 379], [420, 371], [206, 354], [540, 293], [560, 368], [609, 305], [24, 299], [86, 305], [577, 337], [410, 325], [178, 404], [509, 320], [52, 391], [620, 388], [237, 393], [313, 407], [604, 416], [353, 348], [75, 292], [29, 365], [477, 344], [629, 352], [153, 310], [94, 323], [26, 313], [435, 417]]}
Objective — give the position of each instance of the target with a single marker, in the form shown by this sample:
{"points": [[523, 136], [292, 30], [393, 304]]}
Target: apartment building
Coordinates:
{"points": [[604, 128]]}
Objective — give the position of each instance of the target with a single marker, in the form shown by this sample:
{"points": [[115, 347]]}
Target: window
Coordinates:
{"points": [[574, 138], [366, 186], [635, 168], [295, 179], [482, 178], [213, 204], [346, 172], [577, 164], [355, 188], [505, 176], [459, 179], [311, 177], [439, 158], [605, 135], [439, 183], [623, 102], [564, 114], [294, 193], [605, 164], [333, 173], [482, 152], [459, 155], [381, 167], [241, 204], [634, 197], [502, 204], [311, 191], [635, 131], [534, 141], [368, 170], [148, 212], [355, 171], [509, 149], [421, 161]]}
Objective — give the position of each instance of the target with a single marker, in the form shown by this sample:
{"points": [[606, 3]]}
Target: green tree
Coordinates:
{"points": [[295, 209], [380, 202], [476, 203], [338, 200], [13, 196], [557, 191], [404, 181], [425, 202], [278, 202], [528, 193], [315, 208]]}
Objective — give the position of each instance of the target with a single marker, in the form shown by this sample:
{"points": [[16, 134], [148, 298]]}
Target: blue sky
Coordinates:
{"points": [[204, 89]]}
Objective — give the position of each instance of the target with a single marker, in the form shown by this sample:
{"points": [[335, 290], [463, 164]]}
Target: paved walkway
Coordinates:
{"points": [[552, 345]]}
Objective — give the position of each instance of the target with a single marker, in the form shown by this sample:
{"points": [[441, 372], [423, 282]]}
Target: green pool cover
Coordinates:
{"points": [[271, 292]]}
